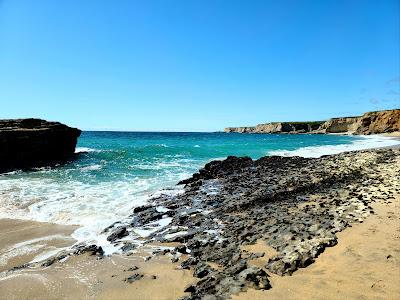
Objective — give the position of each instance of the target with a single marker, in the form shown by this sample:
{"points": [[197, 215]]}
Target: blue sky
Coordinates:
{"points": [[196, 65]]}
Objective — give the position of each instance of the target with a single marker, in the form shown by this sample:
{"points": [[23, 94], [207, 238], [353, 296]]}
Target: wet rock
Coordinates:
{"points": [[49, 262], [92, 249], [119, 233], [128, 247], [182, 249], [141, 208]]}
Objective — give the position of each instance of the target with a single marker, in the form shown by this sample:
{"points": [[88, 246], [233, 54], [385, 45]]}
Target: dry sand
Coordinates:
{"points": [[364, 265]]}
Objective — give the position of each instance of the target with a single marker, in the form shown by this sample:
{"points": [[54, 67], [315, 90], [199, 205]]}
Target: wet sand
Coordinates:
{"points": [[86, 277], [23, 241], [83, 276]]}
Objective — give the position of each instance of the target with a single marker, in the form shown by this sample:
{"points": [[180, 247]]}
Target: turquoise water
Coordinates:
{"points": [[116, 171], [128, 155]]}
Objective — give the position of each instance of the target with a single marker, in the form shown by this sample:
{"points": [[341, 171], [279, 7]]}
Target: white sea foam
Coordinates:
{"points": [[362, 143], [27, 247], [152, 227], [47, 254], [93, 206], [86, 149], [172, 235], [91, 168]]}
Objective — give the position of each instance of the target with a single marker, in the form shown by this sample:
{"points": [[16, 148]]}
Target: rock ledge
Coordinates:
{"points": [[28, 143]]}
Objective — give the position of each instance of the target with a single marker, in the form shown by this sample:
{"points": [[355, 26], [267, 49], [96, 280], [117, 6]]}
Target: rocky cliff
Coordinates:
{"points": [[35, 142], [386, 121], [278, 127], [370, 123]]}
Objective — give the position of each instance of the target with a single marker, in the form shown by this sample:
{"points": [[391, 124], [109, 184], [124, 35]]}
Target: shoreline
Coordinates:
{"points": [[217, 180], [282, 154]]}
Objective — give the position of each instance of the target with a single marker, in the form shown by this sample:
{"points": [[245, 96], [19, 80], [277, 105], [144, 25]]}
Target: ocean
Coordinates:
{"points": [[116, 171]]}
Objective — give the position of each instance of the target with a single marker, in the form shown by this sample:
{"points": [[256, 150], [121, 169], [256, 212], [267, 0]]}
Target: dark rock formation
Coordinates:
{"points": [[291, 204], [33, 142]]}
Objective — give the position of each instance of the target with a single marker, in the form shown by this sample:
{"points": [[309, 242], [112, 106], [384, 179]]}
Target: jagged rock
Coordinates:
{"points": [[119, 233], [258, 277], [92, 249], [293, 205]]}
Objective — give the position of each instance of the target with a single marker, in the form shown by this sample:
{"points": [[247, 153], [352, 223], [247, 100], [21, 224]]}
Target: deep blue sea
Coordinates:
{"points": [[117, 171]]}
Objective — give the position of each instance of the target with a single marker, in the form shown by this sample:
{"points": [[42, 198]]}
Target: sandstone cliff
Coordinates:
{"points": [[35, 142], [278, 127], [370, 123]]}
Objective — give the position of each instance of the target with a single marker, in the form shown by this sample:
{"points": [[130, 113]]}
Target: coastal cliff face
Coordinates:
{"points": [[370, 123], [278, 127], [386, 121], [35, 142]]}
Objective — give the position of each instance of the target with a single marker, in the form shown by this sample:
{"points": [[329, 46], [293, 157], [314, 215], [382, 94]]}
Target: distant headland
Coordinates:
{"points": [[377, 122]]}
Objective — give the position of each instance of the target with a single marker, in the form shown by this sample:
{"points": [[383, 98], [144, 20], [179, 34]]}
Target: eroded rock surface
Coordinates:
{"points": [[376, 122], [294, 205], [370, 123], [34, 142]]}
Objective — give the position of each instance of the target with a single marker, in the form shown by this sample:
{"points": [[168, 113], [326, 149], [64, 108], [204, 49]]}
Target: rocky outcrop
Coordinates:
{"points": [[370, 123], [340, 125], [292, 205], [34, 142], [278, 127], [240, 129], [386, 121]]}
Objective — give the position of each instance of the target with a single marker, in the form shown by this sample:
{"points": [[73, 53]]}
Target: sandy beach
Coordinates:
{"points": [[364, 265], [200, 150], [82, 276]]}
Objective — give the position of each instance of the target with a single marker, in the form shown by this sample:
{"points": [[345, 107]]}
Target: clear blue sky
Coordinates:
{"points": [[196, 65]]}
